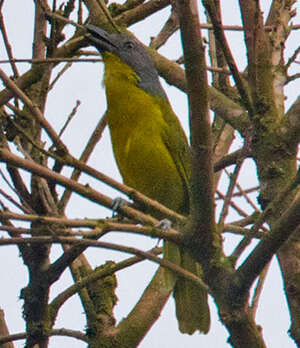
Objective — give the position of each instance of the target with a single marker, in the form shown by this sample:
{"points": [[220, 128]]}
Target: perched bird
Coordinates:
{"points": [[151, 151]]}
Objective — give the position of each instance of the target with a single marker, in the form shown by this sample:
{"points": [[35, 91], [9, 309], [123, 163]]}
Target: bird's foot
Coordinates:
{"points": [[116, 204], [164, 224]]}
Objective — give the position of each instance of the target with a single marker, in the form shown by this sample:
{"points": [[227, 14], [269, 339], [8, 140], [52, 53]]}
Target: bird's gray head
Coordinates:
{"points": [[131, 52]]}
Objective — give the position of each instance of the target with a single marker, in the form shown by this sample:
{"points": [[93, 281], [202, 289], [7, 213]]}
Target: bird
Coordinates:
{"points": [[151, 151]]}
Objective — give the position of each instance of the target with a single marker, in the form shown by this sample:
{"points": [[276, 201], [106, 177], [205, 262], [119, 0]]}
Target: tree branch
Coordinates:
{"points": [[203, 220], [85, 191], [106, 245], [220, 36], [140, 12], [55, 332], [60, 299], [282, 229], [35, 111]]}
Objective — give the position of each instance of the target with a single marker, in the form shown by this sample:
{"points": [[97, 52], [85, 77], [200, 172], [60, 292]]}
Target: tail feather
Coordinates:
{"points": [[192, 309], [172, 254]]}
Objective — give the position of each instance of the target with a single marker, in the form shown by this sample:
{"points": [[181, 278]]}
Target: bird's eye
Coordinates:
{"points": [[129, 45]]}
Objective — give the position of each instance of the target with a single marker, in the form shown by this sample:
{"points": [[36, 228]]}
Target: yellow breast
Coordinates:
{"points": [[136, 126]]}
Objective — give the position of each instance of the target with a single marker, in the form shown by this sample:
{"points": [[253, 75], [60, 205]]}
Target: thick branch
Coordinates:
{"points": [[268, 246], [145, 313], [140, 12], [293, 115], [230, 111], [201, 139]]}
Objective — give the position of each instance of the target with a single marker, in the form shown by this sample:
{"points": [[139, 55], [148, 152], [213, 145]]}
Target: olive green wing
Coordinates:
{"points": [[176, 142], [192, 309]]}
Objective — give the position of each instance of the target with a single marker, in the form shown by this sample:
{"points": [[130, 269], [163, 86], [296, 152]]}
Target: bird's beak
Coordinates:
{"points": [[100, 38]]}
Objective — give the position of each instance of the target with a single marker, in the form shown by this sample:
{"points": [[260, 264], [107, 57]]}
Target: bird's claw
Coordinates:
{"points": [[116, 204], [164, 224]]}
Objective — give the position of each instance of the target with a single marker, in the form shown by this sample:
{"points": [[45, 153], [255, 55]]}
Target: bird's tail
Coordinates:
{"points": [[172, 254], [192, 309]]}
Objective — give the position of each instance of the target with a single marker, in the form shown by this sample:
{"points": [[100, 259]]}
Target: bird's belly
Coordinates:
{"points": [[146, 165]]}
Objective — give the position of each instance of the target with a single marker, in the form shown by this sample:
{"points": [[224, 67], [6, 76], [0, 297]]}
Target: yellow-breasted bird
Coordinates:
{"points": [[151, 151]]}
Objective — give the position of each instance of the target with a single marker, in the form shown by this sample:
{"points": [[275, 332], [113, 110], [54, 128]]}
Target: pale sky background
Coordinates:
{"points": [[83, 82]]}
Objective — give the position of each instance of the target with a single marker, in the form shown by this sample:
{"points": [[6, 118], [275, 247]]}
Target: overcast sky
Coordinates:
{"points": [[83, 82]]}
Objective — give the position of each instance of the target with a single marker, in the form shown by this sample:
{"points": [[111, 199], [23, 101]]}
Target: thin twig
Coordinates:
{"points": [[231, 228], [8, 47], [13, 201], [111, 246], [36, 112], [58, 301], [293, 57], [233, 205], [228, 196], [42, 185], [7, 182], [241, 28], [86, 60], [244, 194], [262, 217], [239, 194], [69, 119], [88, 192], [220, 36], [293, 185], [169, 28], [293, 77], [225, 71], [51, 14], [52, 60], [108, 15], [98, 231], [59, 75], [91, 143], [88, 223], [258, 290], [55, 332]]}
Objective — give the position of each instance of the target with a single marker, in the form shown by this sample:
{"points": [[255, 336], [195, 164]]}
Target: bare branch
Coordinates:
{"points": [[8, 46], [91, 243], [228, 196], [293, 77], [258, 290], [262, 254], [60, 299], [169, 28], [220, 36], [55, 332], [140, 12], [35, 111], [201, 139], [53, 60], [293, 58], [4, 331]]}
